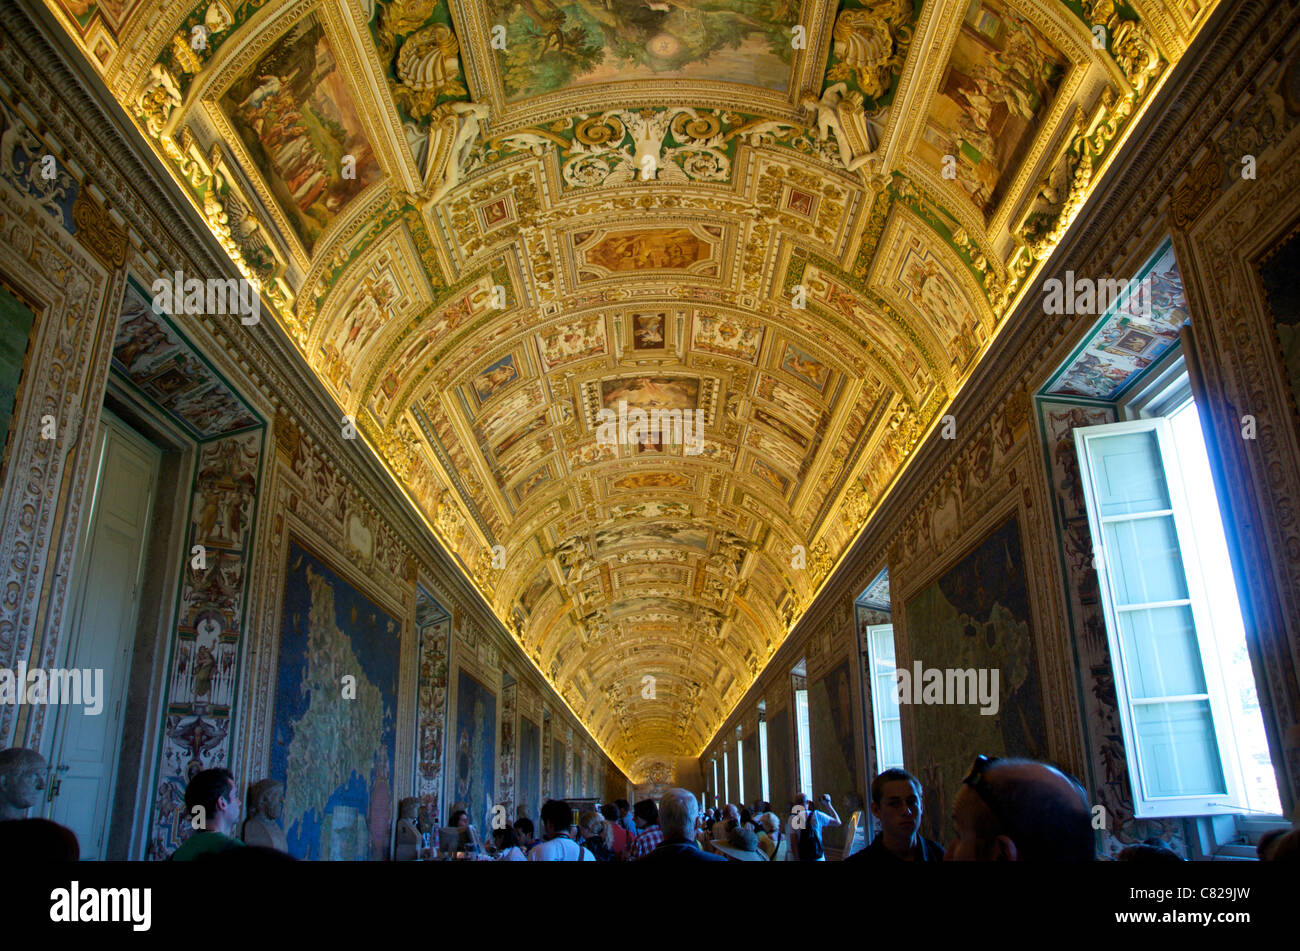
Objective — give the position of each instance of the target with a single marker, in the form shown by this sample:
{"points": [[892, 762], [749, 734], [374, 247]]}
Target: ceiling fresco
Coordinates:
{"points": [[487, 226]]}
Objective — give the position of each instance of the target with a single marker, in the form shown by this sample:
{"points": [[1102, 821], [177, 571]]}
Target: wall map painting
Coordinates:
{"points": [[975, 616], [474, 754], [530, 765], [335, 759]]}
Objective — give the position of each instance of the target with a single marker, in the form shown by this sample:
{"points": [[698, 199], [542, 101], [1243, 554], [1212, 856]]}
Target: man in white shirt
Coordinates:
{"points": [[814, 822], [556, 846]]}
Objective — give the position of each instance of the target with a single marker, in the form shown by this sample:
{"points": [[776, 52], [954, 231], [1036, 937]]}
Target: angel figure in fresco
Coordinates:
{"points": [[466, 118], [837, 105]]}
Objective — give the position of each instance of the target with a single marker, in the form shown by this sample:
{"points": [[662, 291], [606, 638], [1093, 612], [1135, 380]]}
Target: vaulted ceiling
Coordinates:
{"points": [[485, 223]]}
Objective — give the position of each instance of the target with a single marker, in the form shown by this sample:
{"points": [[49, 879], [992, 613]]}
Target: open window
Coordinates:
{"points": [[1188, 710], [876, 645], [803, 732], [740, 767]]}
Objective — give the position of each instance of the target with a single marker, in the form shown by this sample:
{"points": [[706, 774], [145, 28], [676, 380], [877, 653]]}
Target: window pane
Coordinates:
{"points": [[1164, 659], [883, 646], [1177, 749], [891, 740], [1129, 477], [886, 698], [1144, 560]]}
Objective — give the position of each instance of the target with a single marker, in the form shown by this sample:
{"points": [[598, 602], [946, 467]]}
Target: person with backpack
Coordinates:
{"points": [[807, 824]]}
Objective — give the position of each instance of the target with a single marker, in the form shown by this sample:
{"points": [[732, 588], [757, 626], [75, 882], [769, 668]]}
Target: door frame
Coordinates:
{"points": [[139, 730]]}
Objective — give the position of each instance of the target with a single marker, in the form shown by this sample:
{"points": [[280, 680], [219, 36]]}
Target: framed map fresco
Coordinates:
{"points": [[529, 775], [474, 751], [780, 786], [557, 770], [335, 755], [977, 616], [834, 761]]}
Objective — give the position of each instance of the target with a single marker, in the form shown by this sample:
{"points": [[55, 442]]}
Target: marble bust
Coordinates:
{"points": [[22, 777], [408, 833], [265, 802]]}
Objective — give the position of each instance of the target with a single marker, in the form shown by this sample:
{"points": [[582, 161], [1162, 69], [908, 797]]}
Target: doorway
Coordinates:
{"points": [[105, 603]]}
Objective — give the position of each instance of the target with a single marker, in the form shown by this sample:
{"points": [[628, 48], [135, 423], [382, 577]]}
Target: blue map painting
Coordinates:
{"points": [[334, 741], [476, 750], [557, 770], [529, 777]]}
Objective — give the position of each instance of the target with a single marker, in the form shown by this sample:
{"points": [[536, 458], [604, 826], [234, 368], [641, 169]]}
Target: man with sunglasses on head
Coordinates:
{"points": [[1019, 810]]}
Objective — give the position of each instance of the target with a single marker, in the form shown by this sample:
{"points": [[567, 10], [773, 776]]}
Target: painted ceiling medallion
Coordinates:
{"points": [[484, 223]]}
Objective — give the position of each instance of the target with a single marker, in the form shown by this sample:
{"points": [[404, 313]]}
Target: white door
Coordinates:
{"points": [[101, 631]]}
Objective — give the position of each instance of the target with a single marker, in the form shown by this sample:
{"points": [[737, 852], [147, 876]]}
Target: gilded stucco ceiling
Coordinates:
{"points": [[483, 223]]}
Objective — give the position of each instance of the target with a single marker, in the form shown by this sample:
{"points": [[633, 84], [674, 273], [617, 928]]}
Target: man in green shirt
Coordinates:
{"points": [[212, 802]]}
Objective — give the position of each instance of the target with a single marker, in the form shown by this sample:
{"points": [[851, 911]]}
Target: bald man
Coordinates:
{"points": [[1019, 810]]}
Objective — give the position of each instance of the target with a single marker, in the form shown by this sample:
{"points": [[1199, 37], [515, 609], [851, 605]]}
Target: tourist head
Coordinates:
{"points": [[557, 817], [1019, 810], [623, 807], [213, 790], [459, 819], [1149, 851], [645, 814], [524, 831], [896, 802], [592, 826], [1286, 848], [609, 812], [742, 839], [40, 840], [678, 810], [505, 838], [22, 777], [771, 825]]}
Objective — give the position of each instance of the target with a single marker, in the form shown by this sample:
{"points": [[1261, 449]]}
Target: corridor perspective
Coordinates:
{"points": [[615, 430]]}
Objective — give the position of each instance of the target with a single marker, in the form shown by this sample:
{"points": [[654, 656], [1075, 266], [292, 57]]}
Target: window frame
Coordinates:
{"points": [[803, 734], [740, 767], [877, 717], [1233, 800]]}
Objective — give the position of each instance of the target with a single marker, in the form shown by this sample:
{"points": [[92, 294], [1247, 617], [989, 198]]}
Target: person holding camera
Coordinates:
{"points": [[807, 823]]}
